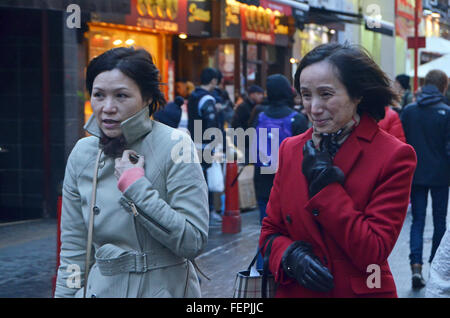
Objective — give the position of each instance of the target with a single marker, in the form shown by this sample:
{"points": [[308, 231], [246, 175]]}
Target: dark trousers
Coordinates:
{"points": [[419, 196]]}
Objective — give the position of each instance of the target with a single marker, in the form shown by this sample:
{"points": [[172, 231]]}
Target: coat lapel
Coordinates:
{"points": [[351, 149]]}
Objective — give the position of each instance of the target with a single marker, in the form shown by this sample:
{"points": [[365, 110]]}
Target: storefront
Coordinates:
{"points": [[250, 43]]}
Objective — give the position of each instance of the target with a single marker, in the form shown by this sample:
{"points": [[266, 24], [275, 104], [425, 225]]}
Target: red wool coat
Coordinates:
{"points": [[350, 226]]}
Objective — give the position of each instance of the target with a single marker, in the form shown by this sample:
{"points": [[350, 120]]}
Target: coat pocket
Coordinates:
{"points": [[362, 286], [101, 286]]}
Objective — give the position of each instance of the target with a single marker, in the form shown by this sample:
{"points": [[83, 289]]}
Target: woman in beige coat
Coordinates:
{"points": [[148, 208]]}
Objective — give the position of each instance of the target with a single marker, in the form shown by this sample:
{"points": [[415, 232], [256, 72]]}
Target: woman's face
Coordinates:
{"points": [[325, 98], [115, 98]]}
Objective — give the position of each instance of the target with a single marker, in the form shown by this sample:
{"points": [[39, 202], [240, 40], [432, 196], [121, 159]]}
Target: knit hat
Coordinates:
{"points": [[179, 100], [279, 88], [255, 89], [403, 79]]}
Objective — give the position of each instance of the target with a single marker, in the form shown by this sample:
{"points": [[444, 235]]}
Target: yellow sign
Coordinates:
{"points": [[198, 14], [163, 9]]}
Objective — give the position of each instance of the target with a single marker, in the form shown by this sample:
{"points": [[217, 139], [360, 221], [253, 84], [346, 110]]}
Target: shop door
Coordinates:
{"points": [[223, 54]]}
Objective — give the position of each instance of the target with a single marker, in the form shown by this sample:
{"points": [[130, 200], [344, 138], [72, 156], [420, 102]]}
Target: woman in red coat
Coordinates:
{"points": [[342, 188], [391, 124]]}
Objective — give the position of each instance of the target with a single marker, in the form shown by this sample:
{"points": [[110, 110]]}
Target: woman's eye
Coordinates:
{"points": [[97, 95], [122, 95]]}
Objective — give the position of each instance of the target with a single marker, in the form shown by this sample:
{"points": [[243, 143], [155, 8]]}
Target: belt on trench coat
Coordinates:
{"points": [[133, 262]]}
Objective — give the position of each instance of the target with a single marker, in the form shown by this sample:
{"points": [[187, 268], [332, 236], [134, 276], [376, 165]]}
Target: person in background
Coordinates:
{"points": [[255, 96], [340, 195], [403, 88], [225, 107], [202, 111], [170, 115], [391, 124], [426, 123]]}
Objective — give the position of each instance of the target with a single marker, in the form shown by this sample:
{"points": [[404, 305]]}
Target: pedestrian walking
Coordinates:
{"points": [[439, 282], [255, 96], [170, 115], [391, 124], [146, 210], [403, 88], [427, 128], [340, 194], [280, 116], [202, 111]]}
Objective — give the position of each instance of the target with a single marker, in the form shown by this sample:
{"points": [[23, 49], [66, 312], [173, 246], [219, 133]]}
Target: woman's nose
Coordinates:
{"points": [[316, 106], [109, 106]]}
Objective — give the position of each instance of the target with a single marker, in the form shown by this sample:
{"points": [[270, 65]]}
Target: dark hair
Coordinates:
{"points": [[361, 76], [208, 74], [136, 64], [403, 80], [438, 79]]}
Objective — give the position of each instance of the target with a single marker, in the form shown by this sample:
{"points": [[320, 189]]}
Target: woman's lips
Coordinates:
{"points": [[110, 123], [320, 122]]}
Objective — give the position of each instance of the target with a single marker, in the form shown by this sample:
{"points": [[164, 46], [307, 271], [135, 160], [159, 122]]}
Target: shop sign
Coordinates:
{"points": [[160, 15], [257, 24], [405, 8], [199, 17]]}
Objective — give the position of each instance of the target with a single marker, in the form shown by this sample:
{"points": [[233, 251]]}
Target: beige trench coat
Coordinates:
{"points": [[143, 255]]}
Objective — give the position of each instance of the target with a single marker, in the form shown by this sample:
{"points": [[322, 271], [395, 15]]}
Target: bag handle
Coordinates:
{"points": [[91, 223], [271, 237], [266, 266]]}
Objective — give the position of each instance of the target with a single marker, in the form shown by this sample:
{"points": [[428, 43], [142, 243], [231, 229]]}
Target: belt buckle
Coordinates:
{"points": [[144, 256]]}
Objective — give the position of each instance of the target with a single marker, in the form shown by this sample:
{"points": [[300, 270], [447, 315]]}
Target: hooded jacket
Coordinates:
{"points": [[427, 128], [144, 254]]}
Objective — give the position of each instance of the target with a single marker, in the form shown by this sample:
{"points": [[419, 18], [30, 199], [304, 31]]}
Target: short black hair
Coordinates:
{"points": [[403, 80], [361, 76], [208, 74], [137, 64]]}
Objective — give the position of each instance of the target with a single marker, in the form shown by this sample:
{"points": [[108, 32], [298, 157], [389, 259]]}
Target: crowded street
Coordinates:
{"points": [[225, 149]]}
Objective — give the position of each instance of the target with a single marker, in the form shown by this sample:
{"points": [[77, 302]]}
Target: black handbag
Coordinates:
{"points": [[259, 286]]}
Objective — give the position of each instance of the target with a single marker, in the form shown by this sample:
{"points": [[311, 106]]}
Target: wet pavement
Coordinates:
{"points": [[28, 257]]}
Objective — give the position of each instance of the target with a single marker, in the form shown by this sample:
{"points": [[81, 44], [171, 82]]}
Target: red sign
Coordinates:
{"points": [[405, 8], [168, 16], [420, 43], [257, 24], [282, 8]]}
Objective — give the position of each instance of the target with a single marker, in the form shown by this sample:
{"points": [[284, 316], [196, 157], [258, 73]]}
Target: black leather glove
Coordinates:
{"points": [[300, 263], [317, 166]]}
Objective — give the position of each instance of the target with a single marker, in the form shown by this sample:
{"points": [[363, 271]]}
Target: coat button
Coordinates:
{"points": [[315, 212], [288, 219], [96, 210]]}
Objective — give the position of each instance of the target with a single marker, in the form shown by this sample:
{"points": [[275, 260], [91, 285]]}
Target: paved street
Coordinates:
{"points": [[28, 249]]}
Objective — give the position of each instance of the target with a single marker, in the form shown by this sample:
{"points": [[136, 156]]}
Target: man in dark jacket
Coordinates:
{"points": [[427, 128], [202, 110], [242, 114], [171, 113]]}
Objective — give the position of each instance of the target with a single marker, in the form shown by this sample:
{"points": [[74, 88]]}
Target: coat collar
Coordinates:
{"points": [[133, 128], [351, 149]]}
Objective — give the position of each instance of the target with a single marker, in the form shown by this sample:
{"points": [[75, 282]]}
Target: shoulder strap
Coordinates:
{"points": [[202, 101], [91, 223]]}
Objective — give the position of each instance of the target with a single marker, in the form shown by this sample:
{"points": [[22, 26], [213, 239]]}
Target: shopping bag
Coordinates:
{"points": [[253, 283], [214, 176]]}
